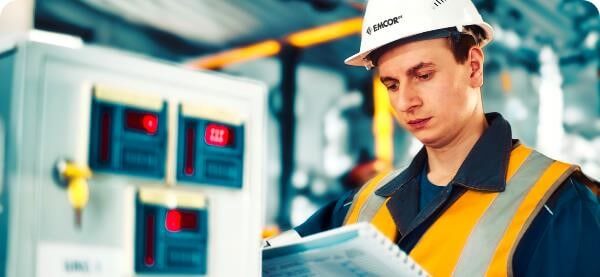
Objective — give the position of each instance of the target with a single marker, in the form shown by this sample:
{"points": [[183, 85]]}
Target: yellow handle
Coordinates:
{"points": [[72, 171], [78, 192], [77, 186]]}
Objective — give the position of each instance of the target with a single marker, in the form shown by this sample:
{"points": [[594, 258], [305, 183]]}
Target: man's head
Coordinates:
{"points": [[430, 59]]}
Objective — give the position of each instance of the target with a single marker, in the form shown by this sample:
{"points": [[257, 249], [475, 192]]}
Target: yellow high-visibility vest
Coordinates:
{"points": [[478, 234]]}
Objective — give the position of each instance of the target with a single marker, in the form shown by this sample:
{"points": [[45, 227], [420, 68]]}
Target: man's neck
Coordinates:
{"points": [[445, 161]]}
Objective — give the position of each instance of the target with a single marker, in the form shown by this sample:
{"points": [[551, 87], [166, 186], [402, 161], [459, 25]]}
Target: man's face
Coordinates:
{"points": [[433, 95]]}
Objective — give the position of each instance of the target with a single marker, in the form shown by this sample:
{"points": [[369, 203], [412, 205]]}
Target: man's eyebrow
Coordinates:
{"points": [[385, 79], [412, 70]]}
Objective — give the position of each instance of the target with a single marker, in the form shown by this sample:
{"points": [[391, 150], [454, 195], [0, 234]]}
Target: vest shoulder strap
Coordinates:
{"points": [[370, 207]]}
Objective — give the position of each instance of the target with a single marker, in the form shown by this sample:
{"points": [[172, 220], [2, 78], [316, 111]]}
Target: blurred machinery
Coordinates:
{"points": [[115, 165], [319, 34]]}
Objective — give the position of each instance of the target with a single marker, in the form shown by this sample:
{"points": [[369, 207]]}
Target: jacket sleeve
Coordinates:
{"points": [[564, 239], [328, 217]]}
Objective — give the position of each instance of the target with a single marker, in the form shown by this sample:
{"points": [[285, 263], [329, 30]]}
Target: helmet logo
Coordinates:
{"points": [[384, 24], [369, 30], [437, 3]]}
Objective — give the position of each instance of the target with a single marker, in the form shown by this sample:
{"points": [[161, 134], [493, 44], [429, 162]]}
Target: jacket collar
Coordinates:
{"points": [[484, 169]]}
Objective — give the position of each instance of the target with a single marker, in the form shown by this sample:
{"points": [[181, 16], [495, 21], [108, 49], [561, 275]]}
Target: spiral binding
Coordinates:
{"points": [[393, 249]]}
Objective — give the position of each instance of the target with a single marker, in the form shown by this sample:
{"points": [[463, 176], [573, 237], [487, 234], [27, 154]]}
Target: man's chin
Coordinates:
{"points": [[429, 141]]}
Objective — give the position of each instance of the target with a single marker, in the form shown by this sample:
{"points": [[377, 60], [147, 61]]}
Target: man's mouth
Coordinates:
{"points": [[419, 123]]}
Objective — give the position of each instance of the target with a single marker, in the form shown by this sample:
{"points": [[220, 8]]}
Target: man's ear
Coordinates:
{"points": [[476, 59]]}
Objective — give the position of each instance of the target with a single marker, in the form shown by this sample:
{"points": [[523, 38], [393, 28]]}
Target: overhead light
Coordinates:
{"points": [[55, 39], [326, 33]]}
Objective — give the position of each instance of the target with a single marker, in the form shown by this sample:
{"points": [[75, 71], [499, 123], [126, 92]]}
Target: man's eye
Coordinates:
{"points": [[392, 87], [425, 77]]}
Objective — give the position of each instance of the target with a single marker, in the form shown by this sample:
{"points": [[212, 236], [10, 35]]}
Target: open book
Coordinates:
{"points": [[353, 250]]}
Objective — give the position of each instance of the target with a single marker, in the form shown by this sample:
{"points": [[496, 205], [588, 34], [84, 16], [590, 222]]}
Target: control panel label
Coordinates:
{"points": [[56, 259]]}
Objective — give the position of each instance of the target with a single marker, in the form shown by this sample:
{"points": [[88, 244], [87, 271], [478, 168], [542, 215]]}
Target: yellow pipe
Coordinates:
{"points": [[262, 49], [267, 48], [383, 123], [326, 33]]}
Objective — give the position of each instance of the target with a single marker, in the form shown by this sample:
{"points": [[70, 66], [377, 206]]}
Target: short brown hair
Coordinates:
{"points": [[472, 35]]}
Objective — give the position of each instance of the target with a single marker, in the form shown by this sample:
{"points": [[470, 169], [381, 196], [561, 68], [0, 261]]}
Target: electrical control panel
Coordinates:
{"points": [[172, 240], [210, 148], [128, 139], [117, 165]]}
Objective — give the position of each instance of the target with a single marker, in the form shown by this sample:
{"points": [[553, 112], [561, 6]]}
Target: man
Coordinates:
{"points": [[473, 201]]}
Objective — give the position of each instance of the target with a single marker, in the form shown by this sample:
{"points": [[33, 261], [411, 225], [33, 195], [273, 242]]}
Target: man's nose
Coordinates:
{"points": [[407, 99]]}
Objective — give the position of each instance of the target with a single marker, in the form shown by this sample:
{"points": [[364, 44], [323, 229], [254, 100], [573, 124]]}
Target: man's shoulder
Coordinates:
{"points": [[563, 235], [576, 189]]}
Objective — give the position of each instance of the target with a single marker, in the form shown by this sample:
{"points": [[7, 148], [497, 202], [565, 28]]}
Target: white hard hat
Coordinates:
{"points": [[387, 21]]}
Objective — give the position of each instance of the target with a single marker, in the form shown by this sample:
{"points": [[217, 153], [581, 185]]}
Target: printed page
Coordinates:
{"points": [[359, 252]]}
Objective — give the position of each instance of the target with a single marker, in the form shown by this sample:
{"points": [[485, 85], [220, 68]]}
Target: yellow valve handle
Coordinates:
{"points": [[78, 192], [72, 171]]}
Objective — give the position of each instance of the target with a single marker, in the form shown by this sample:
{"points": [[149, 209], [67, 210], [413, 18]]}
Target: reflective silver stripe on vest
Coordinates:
{"points": [[486, 235], [374, 202]]}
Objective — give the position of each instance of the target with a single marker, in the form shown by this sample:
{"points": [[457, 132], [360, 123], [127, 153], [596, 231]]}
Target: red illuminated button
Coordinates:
{"points": [[218, 135], [150, 123], [178, 220], [141, 121], [173, 221]]}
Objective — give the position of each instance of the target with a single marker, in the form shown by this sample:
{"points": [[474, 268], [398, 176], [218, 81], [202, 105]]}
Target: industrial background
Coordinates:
{"points": [[329, 126]]}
